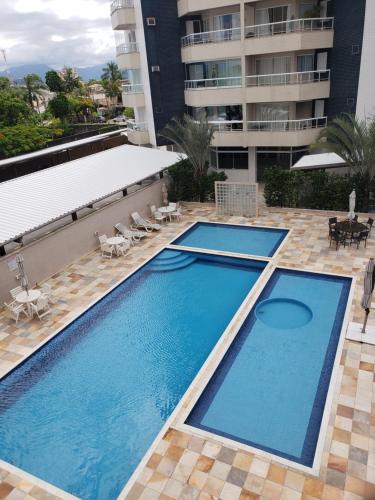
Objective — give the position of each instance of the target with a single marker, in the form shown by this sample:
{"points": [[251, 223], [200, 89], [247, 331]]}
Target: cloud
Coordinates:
{"points": [[56, 32]]}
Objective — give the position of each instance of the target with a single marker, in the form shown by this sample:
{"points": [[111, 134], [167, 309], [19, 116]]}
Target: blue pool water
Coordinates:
{"points": [[82, 412], [249, 240], [269, 391]]}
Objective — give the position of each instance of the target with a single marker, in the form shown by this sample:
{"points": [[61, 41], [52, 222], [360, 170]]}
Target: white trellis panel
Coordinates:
{"points": [[236, 198]]}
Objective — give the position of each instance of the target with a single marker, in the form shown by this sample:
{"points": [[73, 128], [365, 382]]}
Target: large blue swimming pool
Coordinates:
{"points": [[82, 412], [270, 389], [250, 240]]}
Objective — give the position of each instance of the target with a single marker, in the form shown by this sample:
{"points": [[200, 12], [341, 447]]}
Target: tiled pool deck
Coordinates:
{"points": [[184, 465]]}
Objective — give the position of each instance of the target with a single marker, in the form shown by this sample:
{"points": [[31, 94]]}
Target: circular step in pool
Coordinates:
{"points": [[283, 313]]}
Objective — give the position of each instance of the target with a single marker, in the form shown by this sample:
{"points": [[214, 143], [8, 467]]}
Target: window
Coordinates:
{"points": [[218, 113], [272, 15], [272, 65], [229, 158], [305, 62], [218, 73], [227, 21], [272, 112]]}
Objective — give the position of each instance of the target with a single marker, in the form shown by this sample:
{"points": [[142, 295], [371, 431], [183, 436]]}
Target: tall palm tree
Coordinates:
{"points": [[33, 86], [111, 80], [193, 138], [354, 141], [71, 80]]}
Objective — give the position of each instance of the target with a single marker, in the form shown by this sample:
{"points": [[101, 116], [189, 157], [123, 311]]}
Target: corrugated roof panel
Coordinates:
{"points": [[31, 201]]}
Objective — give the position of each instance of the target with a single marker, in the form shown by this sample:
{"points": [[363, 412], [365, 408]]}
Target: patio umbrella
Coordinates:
{"points": [[164, 192], [21, 273], [351, 213], [368, 288]]}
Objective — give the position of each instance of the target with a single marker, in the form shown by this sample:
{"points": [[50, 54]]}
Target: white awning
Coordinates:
{"points": [[59, 148], [320, 160], [32, 201]]}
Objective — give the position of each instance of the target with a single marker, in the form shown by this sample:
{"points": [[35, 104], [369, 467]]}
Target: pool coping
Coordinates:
{"points": [[245, 305], [49, 486]]}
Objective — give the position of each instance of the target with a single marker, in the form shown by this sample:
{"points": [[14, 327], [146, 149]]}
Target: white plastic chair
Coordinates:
{"points": [[156, 215], [16, 309], [144, 223], [107, 250], [132, 234], [41, 308], [177, 213], [123, 247], [47, 290], [102, 238], [15, 291]]}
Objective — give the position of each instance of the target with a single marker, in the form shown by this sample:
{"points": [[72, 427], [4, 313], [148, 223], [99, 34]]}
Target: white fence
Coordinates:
{"points": [[236, 198]]}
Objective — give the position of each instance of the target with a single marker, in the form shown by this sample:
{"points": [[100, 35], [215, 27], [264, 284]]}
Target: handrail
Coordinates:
{"points": [[293, 78], [289, 26], [133, 88], [121, 4], [230, 81], [136, 126], [126, 48], [227, 125], [226, 35], [286, 125]]}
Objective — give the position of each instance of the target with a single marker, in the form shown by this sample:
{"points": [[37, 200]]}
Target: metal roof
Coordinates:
{"points": [[320, 160], [34, 200], [60, 147]]}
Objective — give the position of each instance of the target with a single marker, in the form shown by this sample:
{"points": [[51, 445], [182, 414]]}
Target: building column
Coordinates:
{"points": [[252, 164]]}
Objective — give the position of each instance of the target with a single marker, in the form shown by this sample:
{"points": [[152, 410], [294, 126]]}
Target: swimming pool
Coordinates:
{"points": [[250, 240], [269, 391], [83, 411]]}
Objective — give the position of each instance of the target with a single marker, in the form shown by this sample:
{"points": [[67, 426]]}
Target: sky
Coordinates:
{"points": [[56, 32]]}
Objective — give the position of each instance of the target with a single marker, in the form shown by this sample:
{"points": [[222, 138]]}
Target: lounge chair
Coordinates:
{"points": [[16, 309], [132, 235], [140, 222]]}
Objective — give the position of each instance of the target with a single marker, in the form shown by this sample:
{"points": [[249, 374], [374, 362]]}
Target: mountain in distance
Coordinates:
{"points": [[19, 72]]}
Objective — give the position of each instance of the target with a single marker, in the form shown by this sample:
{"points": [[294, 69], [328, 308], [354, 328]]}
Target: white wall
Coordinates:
{"points": [[366, 92]]}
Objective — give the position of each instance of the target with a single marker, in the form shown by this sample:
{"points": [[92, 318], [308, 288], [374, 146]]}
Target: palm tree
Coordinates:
{"points": [[111, 80], [193, 138], [71, 80], [354, 141], [33, 86]]}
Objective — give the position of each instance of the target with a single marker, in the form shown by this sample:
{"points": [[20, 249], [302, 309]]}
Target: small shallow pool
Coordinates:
{"points": [[250, 240], [270, 389]]}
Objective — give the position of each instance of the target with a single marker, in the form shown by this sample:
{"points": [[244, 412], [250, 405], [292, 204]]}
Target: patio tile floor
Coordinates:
{"points": [[185, 465]]}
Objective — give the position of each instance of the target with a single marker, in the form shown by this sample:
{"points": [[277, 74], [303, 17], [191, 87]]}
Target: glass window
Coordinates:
{"points": [[232, 158], [225, 72], [305, 62]]}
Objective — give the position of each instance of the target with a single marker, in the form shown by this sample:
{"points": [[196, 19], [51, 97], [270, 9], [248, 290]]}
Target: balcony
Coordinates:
{"points": [[298, 86], [296, 34], [138, 133], [188, 6], [205, 45], [213, 91], [268, 133], [133, 95], [122, 14], [128, 56]]}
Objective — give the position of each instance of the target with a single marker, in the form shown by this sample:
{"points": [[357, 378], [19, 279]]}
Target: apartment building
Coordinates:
{"points": [[269, 74]]}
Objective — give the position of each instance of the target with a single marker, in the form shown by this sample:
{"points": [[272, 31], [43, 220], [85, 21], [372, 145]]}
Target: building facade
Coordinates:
{"points": [[268, 74]]}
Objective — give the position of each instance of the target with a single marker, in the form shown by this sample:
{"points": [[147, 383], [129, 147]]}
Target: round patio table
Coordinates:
{"points": [[166, 210], [348, 227], [28, 298]]}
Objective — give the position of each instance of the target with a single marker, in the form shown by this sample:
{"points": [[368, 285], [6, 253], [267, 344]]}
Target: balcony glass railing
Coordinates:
{"points": [[133, 88], [137, 126], [286, 125], [121, 4], [288, 78], [211, 37], [126, 48], [227, 126], [291, 26], [231, 81]]}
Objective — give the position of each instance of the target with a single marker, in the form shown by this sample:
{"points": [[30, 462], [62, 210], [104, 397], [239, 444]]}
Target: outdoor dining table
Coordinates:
{"points": [[167, 210], [350, 227], [116, 241], [28, 298]]}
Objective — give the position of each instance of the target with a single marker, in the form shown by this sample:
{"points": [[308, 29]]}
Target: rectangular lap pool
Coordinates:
{"points": [[82, 411], [269, 391], [249, 240]]}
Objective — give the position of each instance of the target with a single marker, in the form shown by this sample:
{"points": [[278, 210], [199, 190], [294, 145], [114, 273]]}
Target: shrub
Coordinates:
{"points": [[185, 187], [315, 189]]}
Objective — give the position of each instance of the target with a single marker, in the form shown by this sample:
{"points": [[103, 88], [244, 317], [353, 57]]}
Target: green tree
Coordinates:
{"points": [[23, 138], [13, 108], [54, 82], [193, 138], [60, 107], [34, 87], [4, 83], [71, 82], [111, 80], [81, 106], [129, 112], [354, 141]]}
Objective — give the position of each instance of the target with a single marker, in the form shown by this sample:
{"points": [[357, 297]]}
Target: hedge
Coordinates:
{"points": [[314, 189]]}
